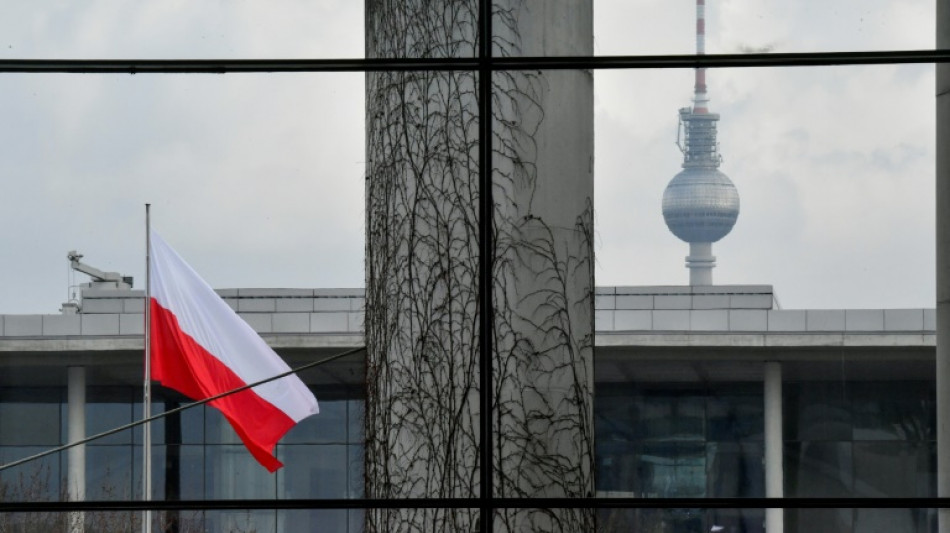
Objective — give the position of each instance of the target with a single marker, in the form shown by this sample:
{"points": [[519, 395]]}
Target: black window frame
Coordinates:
{"points": [[485, 64]]}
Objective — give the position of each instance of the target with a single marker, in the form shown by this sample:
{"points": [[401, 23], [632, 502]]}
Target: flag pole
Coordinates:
{"points": [[147, 385]]}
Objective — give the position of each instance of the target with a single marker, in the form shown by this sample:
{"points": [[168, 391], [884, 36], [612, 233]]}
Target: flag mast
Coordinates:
{"points": [[147, 384]]}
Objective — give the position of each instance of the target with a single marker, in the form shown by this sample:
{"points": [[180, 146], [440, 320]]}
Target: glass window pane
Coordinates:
{"points": [[809, 164], [355, 471], [30, 417], [818, 470], [892, 469], [256, 521], [177, 472], [817, 411], [109, 408], [109, 473], [329, 520], [256, 29], [37, 480], [652, 27], [819, 520], [186, 426], [679, 520], [736, 470], [231, 472], [112, 521], [318, 471], [735, 418], [267, 139], [329, 426], [910, 520], [356, 409], [904, 411]]}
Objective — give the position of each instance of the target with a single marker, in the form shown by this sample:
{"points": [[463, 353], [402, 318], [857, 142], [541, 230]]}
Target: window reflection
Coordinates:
{"points": [[330, 426], [38, 480], [30, 416], [108, 408], [109, 472]]}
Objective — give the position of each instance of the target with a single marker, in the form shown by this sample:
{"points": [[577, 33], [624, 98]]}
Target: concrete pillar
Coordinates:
{"points": [[774, 470], [76, 430], [422, 305], [943, 263]]}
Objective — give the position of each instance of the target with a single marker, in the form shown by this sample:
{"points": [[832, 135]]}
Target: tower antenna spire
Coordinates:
{"points": [[700, 100]]}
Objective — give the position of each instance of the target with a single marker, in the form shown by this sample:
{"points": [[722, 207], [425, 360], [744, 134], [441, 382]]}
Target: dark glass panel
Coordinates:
{"points": [[29, 522], [736, 520], [886, 520], [157, 426], [241, 522], [735, 470], [232, 472], [355, 518], [193, 425], [817, 411], [618, 467], [356, 410], [37, 480], [355, 488], [818, 469], [891, 469], [927, 470], [313, 471], [614, 417], [113, 521], [328, 426], [732, 418], [31, 417], [192, 462], [187, 521], [190, 422], [665, 417], [322, 520], [108, 408], [659, 520], [109, 473], [218, 430], [689, 418], [903, 411], [672, 470], [652, 417], [177, 472], [818, 520]]}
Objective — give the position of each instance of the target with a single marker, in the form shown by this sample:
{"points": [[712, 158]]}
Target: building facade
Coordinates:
{"points": [[679, 408]]}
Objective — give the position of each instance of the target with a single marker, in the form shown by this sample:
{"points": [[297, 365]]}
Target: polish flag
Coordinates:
{"points": [[201, 348]]}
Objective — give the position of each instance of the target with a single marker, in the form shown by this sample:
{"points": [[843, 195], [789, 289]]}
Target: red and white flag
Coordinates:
{"points": [[201, 347]]}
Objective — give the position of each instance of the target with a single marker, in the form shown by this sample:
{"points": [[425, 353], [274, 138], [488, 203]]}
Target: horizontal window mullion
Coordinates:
{"points": [[495, 503], [225, 66]]}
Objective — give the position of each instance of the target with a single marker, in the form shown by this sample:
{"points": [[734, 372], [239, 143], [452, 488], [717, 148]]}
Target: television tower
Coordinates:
{"points": [[700, 204]]}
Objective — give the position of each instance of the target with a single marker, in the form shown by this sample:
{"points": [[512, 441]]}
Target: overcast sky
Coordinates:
{"points": [[257, 180]]}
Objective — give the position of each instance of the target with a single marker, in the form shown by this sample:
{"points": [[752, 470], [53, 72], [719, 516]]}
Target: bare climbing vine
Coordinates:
{"points": [[422, 286]]}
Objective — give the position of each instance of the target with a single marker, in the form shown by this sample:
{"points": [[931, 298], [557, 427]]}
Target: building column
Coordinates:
{"points": [[943, 263], [424, 304], [76, 430], [774, 471]]}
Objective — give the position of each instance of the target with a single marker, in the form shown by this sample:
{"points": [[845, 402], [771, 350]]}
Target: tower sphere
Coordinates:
{"points": [[700, 204]]}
